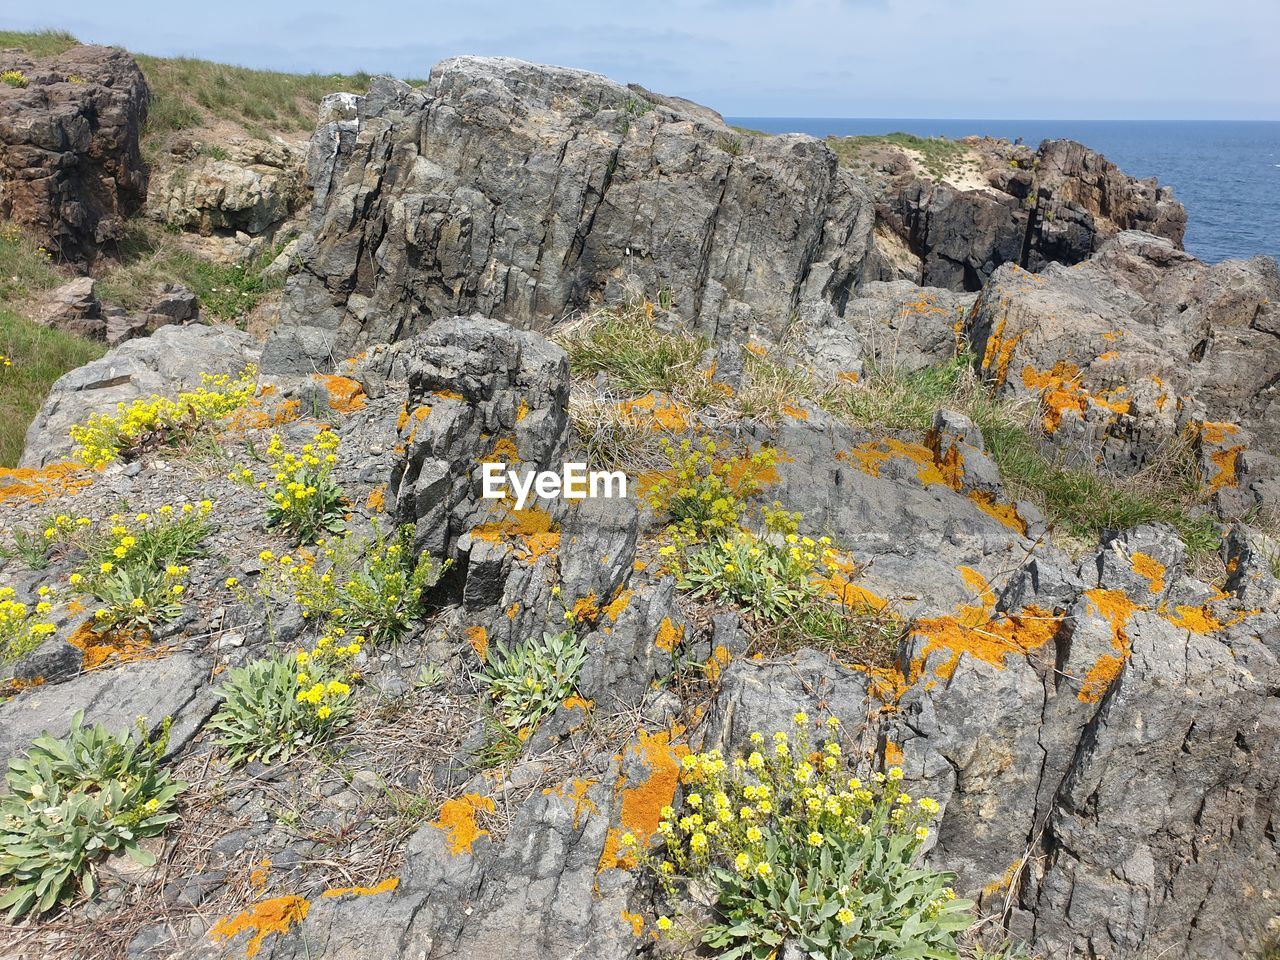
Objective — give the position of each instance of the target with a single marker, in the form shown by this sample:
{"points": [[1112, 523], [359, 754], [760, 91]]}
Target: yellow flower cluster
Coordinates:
{"points": [[759, 813], [13, 78], [104, 437], [324, 676], [22, 627], [706, 496], [304, 497], [5, 361]]}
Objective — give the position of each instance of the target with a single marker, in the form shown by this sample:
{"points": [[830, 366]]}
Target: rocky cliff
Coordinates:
{"points": [[1011, 551]]}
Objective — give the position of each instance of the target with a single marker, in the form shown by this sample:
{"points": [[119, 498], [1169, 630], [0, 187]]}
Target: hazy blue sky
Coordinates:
{"points": [[1089, 59]]}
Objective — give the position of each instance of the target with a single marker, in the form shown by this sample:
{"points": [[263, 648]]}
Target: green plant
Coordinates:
{"points": [[276, 705], [136, 567], [74, 800], [160, 420], [626, 343], [23, 627], [40, 43], [30, 545], [792, 848], [706, 496], [429, 675], [304, 498], [769, 576], [528, 681], [13, 78]]}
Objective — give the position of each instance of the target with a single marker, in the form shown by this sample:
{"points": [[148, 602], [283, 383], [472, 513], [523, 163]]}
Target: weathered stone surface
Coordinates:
{"points": [[70, 167], [250, 186], [998, 203], [520, 191], [1129, 348], [74, 308], [169, 361]]}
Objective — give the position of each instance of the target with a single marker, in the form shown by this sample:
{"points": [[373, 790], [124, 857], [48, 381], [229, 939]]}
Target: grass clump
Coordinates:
{"points": [[786, 845], [73, 801], [628, 344], [38, 43], [938, 155]]}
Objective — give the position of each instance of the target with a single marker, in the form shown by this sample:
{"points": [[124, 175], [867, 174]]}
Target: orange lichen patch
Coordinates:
{"points": [[950, 464], [1111, 336], [416, 416], [522, 411], [586, 608], [1216, 431], [669, 636], [15, 685], [892, 754], [458, 819], [1010, 874], [262, 920], [260, 874], [978, 613], [113, 646], [639, 566], [1060, 392], [450, 395], [839, 586], [531, 529], [386, 886], [743, 469], [1006, 513], [642, 801], [345, 395], [1015, 633], [377, 501], [655, 412], [513, 610], [872, 455], [1108, 356], [478, 637], [1196, 619], [636, 921], [847, 376], [576, 702], [758, 349], [621, 600], [999, 353], [575, 790], [791, 410], [504, 450], [887, 684], [716, 663], [37, 486], [1150, 568], [254, 417], [1227, 464], [1116, 608]]}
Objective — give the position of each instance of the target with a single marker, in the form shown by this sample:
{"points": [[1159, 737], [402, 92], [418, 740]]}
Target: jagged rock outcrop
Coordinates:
{"points": [[70, 166], [1138, 345], [998, 203], [523, 192], [236, 195], [167, 362]]}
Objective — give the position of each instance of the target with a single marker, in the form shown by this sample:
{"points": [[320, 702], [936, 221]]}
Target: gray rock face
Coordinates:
{"points": [[74, 308], [1133, 345], [522, 192], [69, 157], [168, 362], [1002, 203]]}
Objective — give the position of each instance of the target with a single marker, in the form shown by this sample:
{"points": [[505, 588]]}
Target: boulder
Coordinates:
{"points": [[522, 192], [168, 362], [70, 166], [74, 308]]}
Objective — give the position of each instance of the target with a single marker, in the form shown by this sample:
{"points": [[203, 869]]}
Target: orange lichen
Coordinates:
{"points": [[1014, 633], [513, 610], [1108, 356], [575, 790], [458, 819], [586, 609], [1111, 336], [892, 754], [758, 349], [37, 486], [999, 353], [1010, 874], [716, 663], [260, 874], [669, 636], [504, 450], [345, 395], [791, 410], [1150, 568], [636, 920], [450, 395], [848, 376], [522, 411], [377, 501], [417, 415], [1116, 608], [642, 801], [1227, 463], [979, 613], [887, 684], [386, 886], [478, 637], [531, 528], [1196, 619], [621, 599], [655, 412], [1215, 431], [1007, 514], [113, 646], [741, 471], [870, 456], [263, 919]]}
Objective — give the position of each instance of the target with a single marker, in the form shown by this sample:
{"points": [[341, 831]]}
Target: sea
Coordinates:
{"points": [[1226, 173]]}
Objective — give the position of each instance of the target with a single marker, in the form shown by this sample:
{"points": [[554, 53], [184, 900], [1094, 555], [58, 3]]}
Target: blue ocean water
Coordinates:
{"points": [[1226, 173]]}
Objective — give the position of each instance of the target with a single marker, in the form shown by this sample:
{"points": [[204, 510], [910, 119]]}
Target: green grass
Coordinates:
{"points": [[626, 344], [41, 43], [150, 257], [37, 356], [939, 155]]}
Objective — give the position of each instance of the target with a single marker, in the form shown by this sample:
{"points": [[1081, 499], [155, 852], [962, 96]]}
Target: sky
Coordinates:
{"points": [[1062, 59]]}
